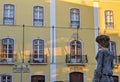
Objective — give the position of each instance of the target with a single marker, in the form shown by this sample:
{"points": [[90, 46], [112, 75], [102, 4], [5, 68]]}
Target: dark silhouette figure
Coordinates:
{"points": [[104, 58]]}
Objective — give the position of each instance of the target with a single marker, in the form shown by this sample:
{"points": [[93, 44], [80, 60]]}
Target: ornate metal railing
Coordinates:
{"points": [[38, 60], [76, 59]]}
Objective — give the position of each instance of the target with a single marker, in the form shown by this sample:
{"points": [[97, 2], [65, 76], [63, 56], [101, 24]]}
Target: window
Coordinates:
{"points": [[37, 78], [112, 48], [75, 17], [7, 50], [8, 15], [38, 50], [6, 78], [109, 21], [38, 16], [75, 48]]}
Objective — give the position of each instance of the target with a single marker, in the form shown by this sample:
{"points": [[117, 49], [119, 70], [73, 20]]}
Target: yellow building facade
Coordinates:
{"points": [[109, 25], [54, 40]]}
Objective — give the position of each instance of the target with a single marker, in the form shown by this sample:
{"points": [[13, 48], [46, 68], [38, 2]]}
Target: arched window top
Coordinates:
{"points": [[9, 5], [75, 41], [38, 8], [108, 12], [74, 10], [38, 40], [76, 72], [7, 40]]}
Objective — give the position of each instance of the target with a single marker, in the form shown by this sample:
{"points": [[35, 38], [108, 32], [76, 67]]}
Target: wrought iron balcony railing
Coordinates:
{"points": [[42, 59], [6, 60], [76, 59]]}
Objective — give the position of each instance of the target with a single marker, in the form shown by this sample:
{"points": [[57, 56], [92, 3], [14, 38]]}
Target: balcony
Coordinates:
{"points": [[6, 60], [42, 59], [76, 59]]}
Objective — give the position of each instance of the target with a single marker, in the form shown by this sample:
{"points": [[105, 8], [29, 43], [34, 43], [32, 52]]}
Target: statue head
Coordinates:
{"points": [[103, 40]]}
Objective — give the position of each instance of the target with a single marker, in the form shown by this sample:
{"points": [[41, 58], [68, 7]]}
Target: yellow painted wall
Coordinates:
{"points": [[64, 35], [114, 33], [24, 10], [24, 15]]}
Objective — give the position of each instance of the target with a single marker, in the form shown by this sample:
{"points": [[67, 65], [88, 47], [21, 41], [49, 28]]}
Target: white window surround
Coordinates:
{"points": [[6, 41], [7, 75], [8, 61], [40, 60], [109, 18], [81, 45], [13, 13], [37, 41], [78, 18], [43, 16]]}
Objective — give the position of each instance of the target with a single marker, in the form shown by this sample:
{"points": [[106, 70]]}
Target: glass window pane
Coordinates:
{"points": [[109, 18], [38, 16], [74, 17], [8, 14]]}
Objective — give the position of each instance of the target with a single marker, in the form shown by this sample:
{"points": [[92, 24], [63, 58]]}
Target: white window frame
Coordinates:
{"points": [[76, 47], [109, 19], [8, 43], [10, 14], [40, 10], [75, 17], [6, 77], [38, 58]]}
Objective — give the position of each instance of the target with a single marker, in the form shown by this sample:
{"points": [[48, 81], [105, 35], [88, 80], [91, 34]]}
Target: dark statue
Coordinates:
{"points": [[104, 58]]}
